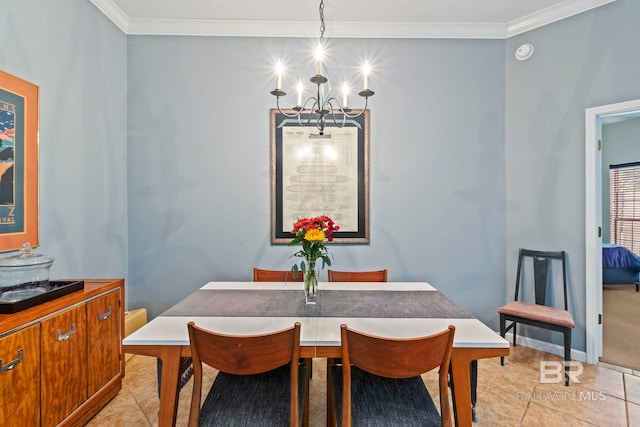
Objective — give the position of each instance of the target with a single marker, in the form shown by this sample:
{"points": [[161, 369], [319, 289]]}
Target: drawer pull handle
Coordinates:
{"points": [[106, 315], [9, 366], [64, 337]]}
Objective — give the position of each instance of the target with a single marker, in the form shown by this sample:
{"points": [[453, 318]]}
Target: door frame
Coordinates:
{"points": [[593, 221]]}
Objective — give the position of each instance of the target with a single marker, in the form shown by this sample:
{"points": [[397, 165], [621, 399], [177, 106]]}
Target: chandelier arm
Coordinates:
{"points": [[303, 110], [335, 122], [309, 99], [333, 112], [290, 116], [345, 111]]}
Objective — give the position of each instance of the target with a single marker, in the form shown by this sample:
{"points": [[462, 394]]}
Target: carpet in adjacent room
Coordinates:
{"points": [[621, 326]]}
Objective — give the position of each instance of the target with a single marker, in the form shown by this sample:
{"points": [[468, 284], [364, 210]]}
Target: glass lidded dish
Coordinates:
{"points": [[24, 275]]}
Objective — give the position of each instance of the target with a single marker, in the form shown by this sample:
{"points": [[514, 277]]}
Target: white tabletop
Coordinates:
{"points": [[317, 331], [349, 286]]}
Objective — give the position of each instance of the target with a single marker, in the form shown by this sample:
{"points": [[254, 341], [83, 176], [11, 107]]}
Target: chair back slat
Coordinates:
{"points": [[542, 273], [396, 358], [245, 355], [357, 276], [541, 278], [261, 275]]}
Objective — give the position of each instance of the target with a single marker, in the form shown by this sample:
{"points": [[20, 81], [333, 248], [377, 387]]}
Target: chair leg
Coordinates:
{"points": [[567, 354], [637, 285], [502, 333], [305, 407], [331, 415]]}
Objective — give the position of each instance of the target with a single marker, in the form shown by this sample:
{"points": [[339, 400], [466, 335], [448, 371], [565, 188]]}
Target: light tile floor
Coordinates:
{"points": [[509, 395]]}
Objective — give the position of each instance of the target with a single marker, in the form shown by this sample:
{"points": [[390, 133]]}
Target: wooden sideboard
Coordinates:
{"points": [[62, 360]]}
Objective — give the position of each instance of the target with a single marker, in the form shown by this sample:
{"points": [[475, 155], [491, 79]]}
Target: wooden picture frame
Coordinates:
{"points": [[18, 163], [314, 175]]}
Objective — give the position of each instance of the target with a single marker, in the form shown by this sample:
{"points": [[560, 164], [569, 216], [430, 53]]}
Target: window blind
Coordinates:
{"points": [[625, 205]]}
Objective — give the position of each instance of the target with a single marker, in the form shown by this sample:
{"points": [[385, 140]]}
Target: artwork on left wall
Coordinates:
{"points": [[18, 163]]}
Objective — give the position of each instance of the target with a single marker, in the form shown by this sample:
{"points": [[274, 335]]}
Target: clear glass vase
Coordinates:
{"points": [[311, 275]]}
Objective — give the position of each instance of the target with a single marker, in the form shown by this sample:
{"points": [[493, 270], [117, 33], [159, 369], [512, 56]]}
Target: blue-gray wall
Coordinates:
{"points": [[473, 154], [199, 164], [588, 60], [78, 59], [621, 145]]}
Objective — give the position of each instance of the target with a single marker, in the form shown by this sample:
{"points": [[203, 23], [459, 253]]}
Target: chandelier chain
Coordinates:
{"points": [[322, 27]]}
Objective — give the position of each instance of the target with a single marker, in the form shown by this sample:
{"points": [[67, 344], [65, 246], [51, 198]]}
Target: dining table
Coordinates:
{"points": [[389, 309]]}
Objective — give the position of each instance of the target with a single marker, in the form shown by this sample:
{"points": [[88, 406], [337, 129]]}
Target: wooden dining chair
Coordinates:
{"points": [[354, 276], [539, 313], [379, 382], [357, 276], [260, 381], [261, 275]]}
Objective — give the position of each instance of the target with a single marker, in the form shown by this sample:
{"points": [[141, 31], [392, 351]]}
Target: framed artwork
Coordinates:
{"points": [[314, 175], [18, 163]]}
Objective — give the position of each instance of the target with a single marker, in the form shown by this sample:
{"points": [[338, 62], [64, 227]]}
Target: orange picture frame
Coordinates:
{"points": [[18, 162]]}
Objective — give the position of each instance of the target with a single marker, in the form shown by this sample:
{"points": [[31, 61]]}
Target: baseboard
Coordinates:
{"points": [[548, 347]]}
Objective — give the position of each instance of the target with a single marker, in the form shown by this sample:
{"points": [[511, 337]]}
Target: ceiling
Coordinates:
{"points": [[486, 19]]}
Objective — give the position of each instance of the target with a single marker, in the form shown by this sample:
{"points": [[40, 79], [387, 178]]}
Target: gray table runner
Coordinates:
{"points": [[331, 303]]}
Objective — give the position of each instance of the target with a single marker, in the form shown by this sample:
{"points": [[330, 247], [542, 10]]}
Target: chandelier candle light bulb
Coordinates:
{"points": [[345, 92], [279, 70], [365, 71], [319, 56], [300, 90]]}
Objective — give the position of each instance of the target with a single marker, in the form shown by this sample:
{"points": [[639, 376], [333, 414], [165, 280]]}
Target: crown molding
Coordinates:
{"points": [[114, 13], [552, 14], [309, 29], [246, 28]]}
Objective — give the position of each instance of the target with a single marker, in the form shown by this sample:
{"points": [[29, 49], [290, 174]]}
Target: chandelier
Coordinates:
{"points": [[317, 109]]}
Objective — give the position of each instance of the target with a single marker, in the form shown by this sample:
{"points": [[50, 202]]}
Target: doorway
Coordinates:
{"points": [[594, 118]]}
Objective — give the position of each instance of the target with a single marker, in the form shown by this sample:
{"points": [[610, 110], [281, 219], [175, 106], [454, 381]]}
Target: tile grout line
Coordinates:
{"points": [[626, 401], [526, 408]]}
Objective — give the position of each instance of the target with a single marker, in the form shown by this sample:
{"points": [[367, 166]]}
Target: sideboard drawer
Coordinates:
{"points": [[64, 364], [20, 377]]}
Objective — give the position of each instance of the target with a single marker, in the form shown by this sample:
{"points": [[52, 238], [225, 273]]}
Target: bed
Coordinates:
{"points": [[620, 266]]}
